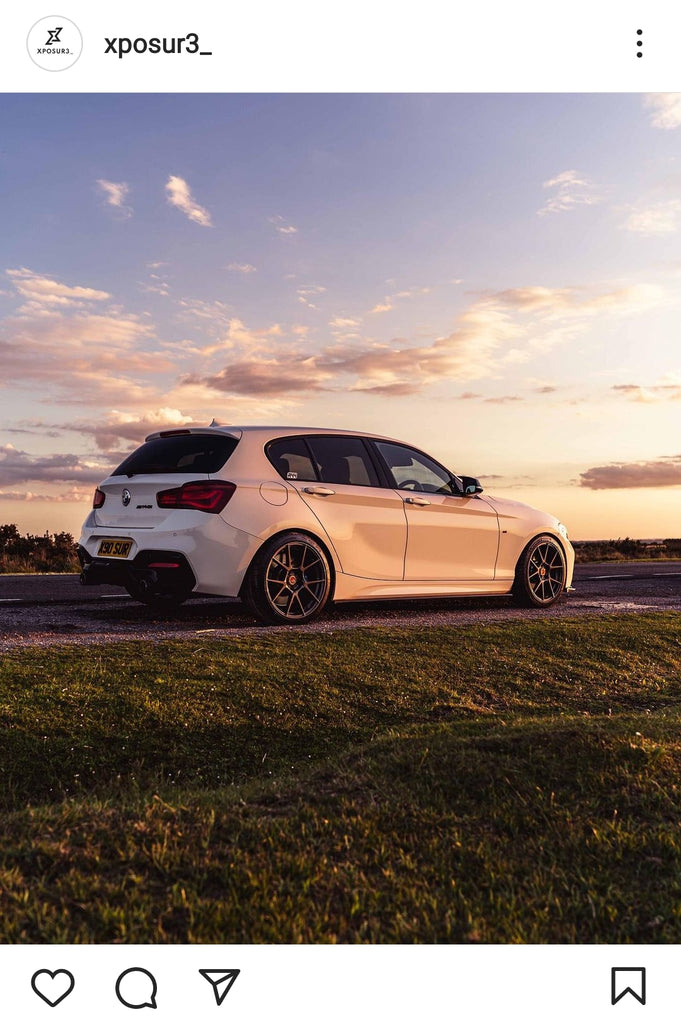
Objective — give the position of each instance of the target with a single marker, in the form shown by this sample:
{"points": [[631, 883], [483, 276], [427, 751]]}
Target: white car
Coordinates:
{"points": [[289, 519]]}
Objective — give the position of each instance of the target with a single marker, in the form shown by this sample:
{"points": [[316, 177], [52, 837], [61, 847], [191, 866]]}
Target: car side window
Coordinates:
{"points": [[414, 471], [343, 460], [291, 459]]}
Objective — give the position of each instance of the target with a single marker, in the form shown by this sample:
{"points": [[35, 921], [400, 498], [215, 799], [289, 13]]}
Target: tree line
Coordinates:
{"points": [[625, 549], [51, 552]]}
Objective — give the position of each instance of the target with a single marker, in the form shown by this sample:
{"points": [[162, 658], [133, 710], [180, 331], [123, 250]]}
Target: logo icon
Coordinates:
{"points": [[628, 981], [126, 497], [52, 986], [221, 981], [136, 988], [63, 47]]}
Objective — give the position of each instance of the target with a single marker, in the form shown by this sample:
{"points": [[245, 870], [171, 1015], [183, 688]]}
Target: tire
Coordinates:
{"points": [[289, 581], [540, 574], [159, 600]]}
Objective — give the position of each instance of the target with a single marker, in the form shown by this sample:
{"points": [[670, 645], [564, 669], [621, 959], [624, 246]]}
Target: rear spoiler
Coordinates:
{"points": [[234, 432]]}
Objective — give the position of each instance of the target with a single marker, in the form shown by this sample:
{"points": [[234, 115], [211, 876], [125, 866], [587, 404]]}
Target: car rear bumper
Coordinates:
{"points": [[212, 555], [168, 569]]}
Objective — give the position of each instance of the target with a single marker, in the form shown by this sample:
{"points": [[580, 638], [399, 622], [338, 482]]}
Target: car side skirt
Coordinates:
{"points": [[352, 588]]}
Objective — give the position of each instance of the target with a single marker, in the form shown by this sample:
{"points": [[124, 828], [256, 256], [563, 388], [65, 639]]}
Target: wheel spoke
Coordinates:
{"points": [[274, 598], [313, 561]]}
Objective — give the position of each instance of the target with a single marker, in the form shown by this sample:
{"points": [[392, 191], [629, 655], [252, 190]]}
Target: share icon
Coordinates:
{"points": [[221, 981]]}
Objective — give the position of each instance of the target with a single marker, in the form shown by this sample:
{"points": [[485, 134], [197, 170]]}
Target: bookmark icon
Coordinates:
{"points": [[628, 981]]}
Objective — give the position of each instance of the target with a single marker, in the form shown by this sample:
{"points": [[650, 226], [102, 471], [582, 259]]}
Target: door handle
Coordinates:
{"points": [[323, 492], [416, 501]]}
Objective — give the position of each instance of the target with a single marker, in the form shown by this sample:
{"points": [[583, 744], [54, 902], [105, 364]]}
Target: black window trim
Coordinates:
{"points": [[373, 456]]}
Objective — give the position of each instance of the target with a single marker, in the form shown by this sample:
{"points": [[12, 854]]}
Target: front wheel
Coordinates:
{"points": [[289, 580], [540, 574]]}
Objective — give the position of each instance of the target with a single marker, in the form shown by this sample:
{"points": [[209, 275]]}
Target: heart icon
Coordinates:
{"points": [[52, 986]]}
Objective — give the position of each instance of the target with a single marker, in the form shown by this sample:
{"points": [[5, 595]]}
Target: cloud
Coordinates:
{"points": [[663, 472], [504, 399], [179, 195], [267, 377], [389, 301], [395, 390], [662, 218], [42, 291], [120, 426], [651, 393], [213, 315], [345, 328], [570, 189], [115, 193], [389, 369], [282, 227], [515, 323], [157, 284], [308, 292], [665, 109], [74, 495], [241, 268], [576, 303], [154, 287], [61, 335], [18, 467]]}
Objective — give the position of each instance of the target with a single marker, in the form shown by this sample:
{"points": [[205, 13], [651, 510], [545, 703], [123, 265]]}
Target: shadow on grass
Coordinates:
{"points": [[553, 833]]}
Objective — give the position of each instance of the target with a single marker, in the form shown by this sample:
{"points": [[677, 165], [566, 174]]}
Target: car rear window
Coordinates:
{"points": [[183, 453]]}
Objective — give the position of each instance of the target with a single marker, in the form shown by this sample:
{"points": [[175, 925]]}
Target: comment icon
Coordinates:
{"points": [[136, 988]]}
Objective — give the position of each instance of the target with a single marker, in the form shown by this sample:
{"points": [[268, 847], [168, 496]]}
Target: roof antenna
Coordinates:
{"points": [[213, 423]]}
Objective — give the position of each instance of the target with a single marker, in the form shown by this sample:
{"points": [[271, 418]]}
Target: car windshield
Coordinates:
{"points": [[182, 453]]}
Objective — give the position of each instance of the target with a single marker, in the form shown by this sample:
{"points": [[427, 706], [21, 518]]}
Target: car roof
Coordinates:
{"points": [[269, 432]]}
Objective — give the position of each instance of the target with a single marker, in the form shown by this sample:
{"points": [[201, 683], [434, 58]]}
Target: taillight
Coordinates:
{"points": [[202, 495], [98, 499]]}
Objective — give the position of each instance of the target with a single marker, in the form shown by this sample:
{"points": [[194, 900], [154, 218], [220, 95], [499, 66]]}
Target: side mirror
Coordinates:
{"points": [[471, 485]]}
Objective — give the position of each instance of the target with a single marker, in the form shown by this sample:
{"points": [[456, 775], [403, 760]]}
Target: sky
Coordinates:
{"points": [[493, 278]]}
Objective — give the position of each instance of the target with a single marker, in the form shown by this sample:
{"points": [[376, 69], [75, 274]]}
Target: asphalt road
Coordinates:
{"points": [[51, 609]]}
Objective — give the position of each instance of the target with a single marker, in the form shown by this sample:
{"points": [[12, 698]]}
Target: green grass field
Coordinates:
{"points": [[511, 783]]}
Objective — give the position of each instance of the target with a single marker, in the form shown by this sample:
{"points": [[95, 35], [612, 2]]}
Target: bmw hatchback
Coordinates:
{"points": [[288, 519]]}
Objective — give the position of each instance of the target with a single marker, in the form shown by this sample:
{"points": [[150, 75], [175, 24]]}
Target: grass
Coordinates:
{"points": [[509, 783]]}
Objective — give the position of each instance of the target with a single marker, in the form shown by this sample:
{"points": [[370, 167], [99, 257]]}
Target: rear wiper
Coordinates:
{"points": [[155, 467]]}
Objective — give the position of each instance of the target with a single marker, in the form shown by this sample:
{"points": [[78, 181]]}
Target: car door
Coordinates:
{"points": [[336, 477], [450, 536]]}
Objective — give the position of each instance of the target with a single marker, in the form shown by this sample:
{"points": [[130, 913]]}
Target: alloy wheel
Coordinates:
{"points": [[296, 580], [546, 572]]}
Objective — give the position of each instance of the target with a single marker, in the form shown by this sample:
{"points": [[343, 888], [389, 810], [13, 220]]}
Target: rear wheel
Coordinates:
{"points": [[540, 574], [289, 580]]}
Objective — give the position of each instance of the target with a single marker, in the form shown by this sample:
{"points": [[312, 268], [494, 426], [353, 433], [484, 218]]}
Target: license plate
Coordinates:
{"points": [[110, 547]]}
